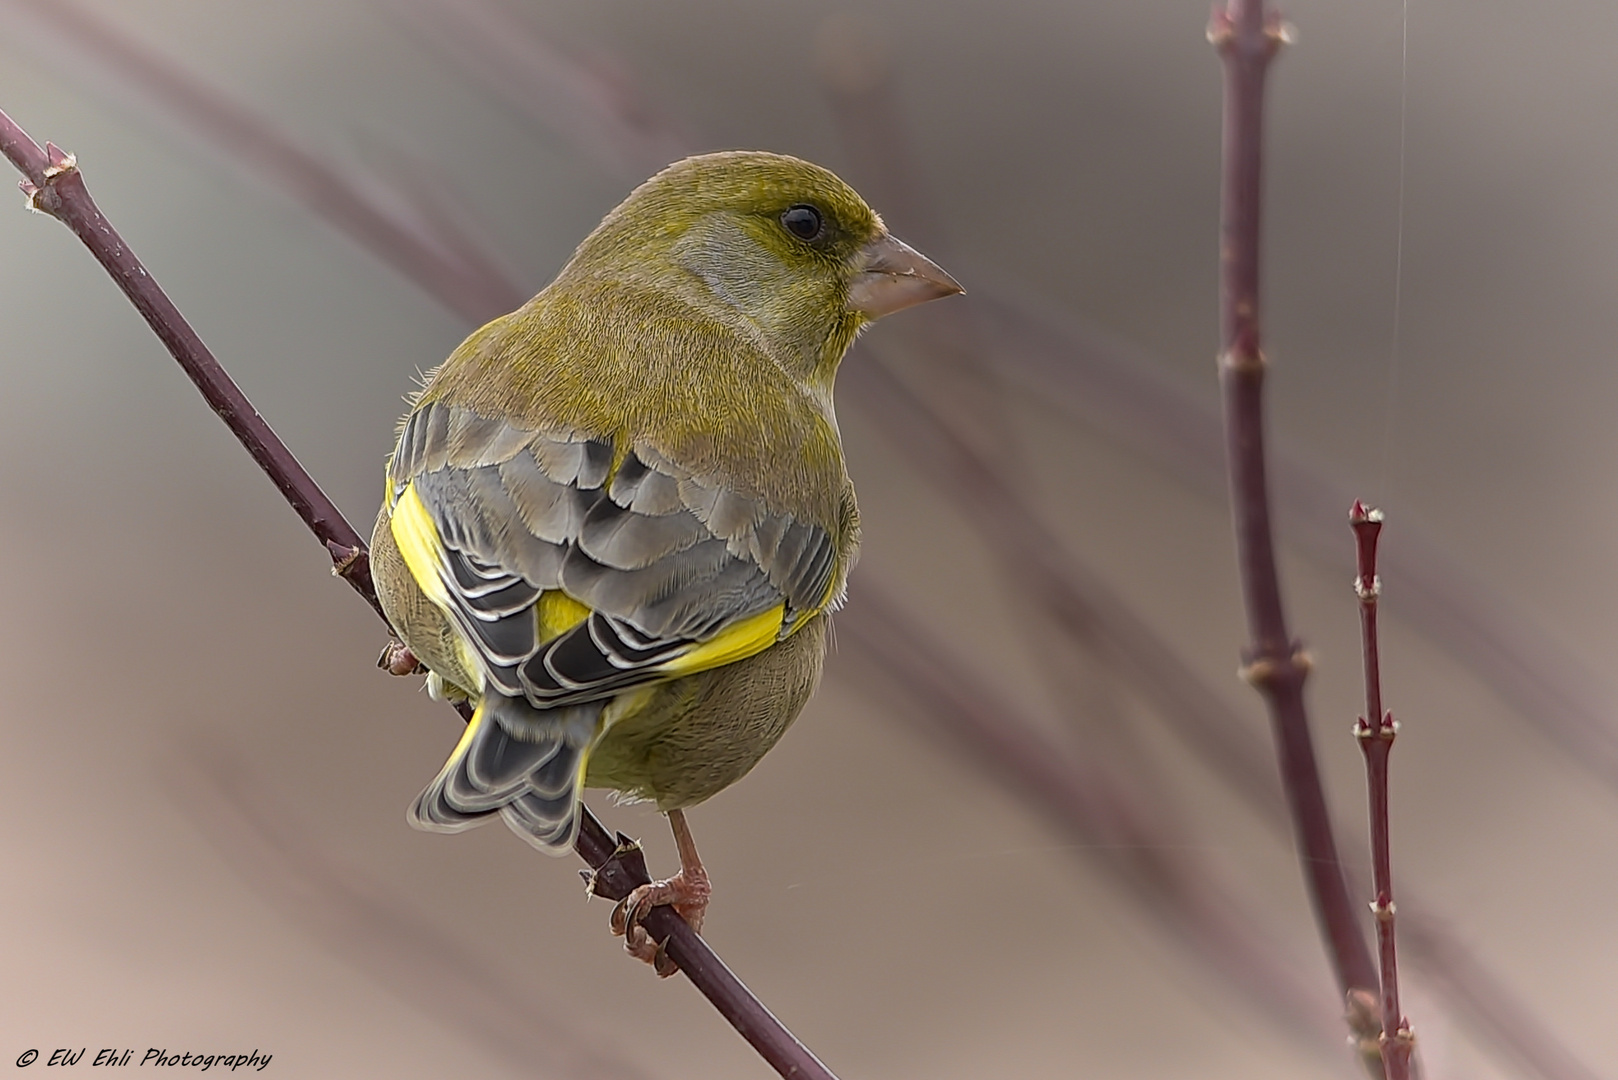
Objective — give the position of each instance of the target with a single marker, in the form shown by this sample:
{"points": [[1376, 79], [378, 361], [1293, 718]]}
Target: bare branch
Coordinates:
{"points": [[617, 870], [1056, 362], [1247, 39], [1375, 732]]}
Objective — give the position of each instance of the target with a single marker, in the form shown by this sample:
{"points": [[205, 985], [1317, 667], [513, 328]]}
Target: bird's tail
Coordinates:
{"points": [[527, 764]]}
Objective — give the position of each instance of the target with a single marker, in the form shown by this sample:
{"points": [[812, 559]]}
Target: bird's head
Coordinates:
{"points": [[781, 244]]}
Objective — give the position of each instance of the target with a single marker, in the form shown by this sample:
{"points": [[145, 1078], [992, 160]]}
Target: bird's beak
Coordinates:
{"points": [[894, 276]]}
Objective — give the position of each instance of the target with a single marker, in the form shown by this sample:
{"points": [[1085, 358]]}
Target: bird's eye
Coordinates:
{"points": [[802, 221]]}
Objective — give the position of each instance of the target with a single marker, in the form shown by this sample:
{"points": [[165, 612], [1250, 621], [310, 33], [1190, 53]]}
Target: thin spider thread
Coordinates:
{"points": [[1390, 404]]}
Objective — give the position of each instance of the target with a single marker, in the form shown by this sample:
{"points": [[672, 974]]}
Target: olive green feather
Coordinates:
{"points": [[618, 517]]}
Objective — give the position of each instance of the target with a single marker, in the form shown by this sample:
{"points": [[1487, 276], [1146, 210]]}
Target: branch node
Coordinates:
{"points": [[1364, 1016], [58, 162], [1229, 33], [1263, 671], [1360, 514], [622, 871], [1242, 361], [41, 197], [343, 558]]}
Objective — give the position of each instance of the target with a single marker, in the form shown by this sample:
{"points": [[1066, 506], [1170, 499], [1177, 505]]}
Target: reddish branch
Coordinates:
{"points": [[54, 186], [1248, 38], [1375, 732]]}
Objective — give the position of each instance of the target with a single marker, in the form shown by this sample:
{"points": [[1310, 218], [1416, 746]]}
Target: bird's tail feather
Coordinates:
{"points": [[527, 764]]}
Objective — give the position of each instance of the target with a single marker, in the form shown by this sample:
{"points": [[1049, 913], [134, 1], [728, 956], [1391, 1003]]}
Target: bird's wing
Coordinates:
{"points": [[575, 570]]}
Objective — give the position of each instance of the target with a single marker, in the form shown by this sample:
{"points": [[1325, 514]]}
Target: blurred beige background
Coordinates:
{"points": [[204, 839]]}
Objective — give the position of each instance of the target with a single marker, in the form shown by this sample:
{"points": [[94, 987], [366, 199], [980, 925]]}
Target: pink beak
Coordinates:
{"points": [[893, 276]]}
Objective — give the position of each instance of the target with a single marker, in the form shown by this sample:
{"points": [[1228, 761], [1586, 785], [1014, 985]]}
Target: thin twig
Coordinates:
{"points": [[1486, 1003], [1120, 393], [1375, 733], [54, 186], [1247, 39], [618, 869], [1056, 362], [1081, 604]]}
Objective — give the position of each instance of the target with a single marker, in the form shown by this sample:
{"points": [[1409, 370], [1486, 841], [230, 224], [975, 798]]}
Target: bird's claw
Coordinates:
{"points": [[686, 892], [639, 944], [397, 659], [662, 963]]}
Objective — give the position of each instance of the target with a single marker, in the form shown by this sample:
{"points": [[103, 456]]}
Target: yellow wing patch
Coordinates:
{"points": [[558, 613], [737, 642], [417, 538]]}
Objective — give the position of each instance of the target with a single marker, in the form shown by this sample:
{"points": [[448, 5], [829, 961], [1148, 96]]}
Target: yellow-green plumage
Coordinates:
{"points": [[619, 516]]}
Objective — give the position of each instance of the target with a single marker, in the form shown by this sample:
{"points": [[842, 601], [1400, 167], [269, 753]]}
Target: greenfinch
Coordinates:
{"points": [[618, 518]]}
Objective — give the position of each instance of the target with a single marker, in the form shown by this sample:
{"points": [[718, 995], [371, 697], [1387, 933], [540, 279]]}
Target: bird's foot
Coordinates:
{"points": [[687, 892], [397, 659]]}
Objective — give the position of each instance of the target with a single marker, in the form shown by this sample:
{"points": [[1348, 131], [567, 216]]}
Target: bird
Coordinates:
{"points": [[617, 520]]}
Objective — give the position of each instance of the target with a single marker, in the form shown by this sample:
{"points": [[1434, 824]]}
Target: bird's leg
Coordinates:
{"points": [[687, 892]]}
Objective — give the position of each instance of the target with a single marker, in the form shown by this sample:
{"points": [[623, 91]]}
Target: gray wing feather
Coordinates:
{"points": [[551, 509], [523, 762], [688, 595], [582, 463], [645, 490], [424, 442], [478, 440], [665, 558], [733, 516], [624, 540]]}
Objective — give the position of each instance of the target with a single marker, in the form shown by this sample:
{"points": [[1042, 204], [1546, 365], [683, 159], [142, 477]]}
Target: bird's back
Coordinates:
{"points": [[605, 359]]}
